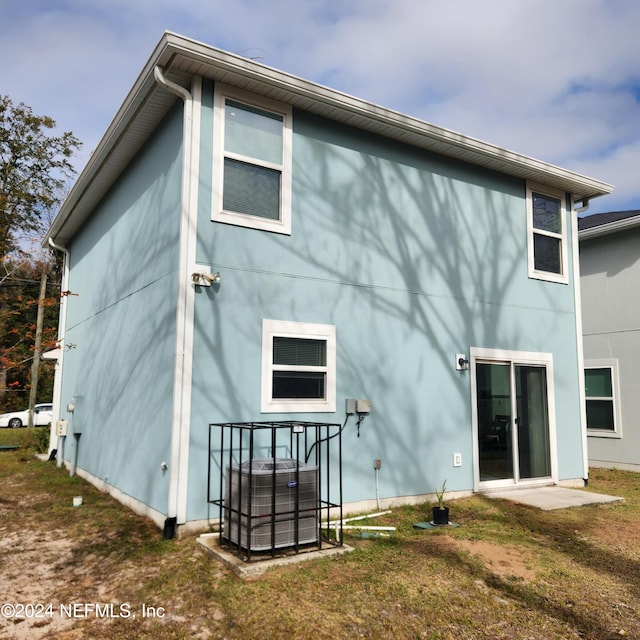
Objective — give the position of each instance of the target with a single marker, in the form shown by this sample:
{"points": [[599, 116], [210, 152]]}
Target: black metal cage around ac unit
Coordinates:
{"points": [[278, 484]]}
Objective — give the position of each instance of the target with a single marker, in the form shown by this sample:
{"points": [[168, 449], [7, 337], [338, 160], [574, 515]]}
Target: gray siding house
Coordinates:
{"points": [[245, 245], [610, 280]]}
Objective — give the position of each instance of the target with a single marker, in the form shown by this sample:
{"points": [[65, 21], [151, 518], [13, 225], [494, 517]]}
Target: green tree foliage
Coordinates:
{"points": [[19, 292], [34, 165]]}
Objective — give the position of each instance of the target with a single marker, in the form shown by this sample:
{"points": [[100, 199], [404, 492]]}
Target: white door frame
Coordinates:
{"points": [[513, 358]]}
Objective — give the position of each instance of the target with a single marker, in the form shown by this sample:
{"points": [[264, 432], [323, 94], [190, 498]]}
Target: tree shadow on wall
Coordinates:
{"points": [[393, 245]]}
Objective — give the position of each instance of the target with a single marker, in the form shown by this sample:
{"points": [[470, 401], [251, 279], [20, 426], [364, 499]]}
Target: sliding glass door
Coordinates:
{"points": [[512, 421], [534, 452]]}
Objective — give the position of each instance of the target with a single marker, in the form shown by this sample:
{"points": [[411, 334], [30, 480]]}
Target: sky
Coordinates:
{"points": [[555, 80]]}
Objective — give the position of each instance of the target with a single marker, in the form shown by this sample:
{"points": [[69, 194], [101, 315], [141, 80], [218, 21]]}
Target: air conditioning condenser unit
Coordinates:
{"points": [[271, 503]]}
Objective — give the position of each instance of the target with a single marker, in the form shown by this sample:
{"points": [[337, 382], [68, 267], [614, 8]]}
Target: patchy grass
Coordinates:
{"points": [[24, 437], [508, 571]]}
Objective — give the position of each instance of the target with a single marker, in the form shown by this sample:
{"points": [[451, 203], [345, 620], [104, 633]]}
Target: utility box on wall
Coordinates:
{"points": [[271, 503]]}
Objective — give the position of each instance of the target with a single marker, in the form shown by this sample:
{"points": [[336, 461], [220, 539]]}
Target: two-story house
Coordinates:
{"points": [[247, 245]]}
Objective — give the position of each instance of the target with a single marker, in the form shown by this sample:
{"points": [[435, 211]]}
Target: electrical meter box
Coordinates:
{"points": [[357, 406], [363, 406]]}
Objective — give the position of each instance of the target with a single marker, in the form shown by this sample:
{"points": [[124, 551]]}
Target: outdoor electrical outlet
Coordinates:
{"points": [[457, 459], [377, 464]]}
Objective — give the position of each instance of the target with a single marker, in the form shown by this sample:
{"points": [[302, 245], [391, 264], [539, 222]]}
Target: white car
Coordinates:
{"points": [[42, 416]]}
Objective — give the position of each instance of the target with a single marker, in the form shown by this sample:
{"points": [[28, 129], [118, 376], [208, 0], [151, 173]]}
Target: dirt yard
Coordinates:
{"points": [[98, 571]]}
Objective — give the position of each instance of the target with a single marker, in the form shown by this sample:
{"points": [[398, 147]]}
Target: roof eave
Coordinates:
{"points": [[182, 58], [608, 229]]}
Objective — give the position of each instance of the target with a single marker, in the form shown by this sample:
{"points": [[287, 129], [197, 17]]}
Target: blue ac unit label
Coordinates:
{"points": [[291, 484]]}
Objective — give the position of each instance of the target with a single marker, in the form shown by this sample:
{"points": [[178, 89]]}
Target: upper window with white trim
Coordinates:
{"points": [[601, 390], [252, 160], [547, 234], [298, 367]]}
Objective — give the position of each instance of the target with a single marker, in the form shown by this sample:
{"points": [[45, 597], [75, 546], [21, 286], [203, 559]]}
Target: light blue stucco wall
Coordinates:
{"points": [[119, 362], [414, 258]]}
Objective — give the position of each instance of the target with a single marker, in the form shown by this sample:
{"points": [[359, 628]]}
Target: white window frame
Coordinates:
{"points": [[287, 329], [538, 274], [218, 214], [612, 365]]}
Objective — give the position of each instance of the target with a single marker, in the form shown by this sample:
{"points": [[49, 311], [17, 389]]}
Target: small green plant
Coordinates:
{"points": [[440, 494], [41, 438]]}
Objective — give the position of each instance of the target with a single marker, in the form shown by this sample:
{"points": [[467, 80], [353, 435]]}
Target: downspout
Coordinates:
{"points": [[580, 346], [55, 441], [584, 207], [176, 503]]}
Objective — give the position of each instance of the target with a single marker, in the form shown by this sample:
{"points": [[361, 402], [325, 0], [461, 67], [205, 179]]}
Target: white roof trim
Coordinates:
{"points": [[611, 227], [183, 58]]}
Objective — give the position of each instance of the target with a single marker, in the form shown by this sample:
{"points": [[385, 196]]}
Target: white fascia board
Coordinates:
{"points": [[131, 107], [611, 227], [581, 186], [181, 55]]}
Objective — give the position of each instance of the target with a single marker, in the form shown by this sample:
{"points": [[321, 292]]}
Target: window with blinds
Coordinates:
{"points": [[251, 165], [298, 367]]}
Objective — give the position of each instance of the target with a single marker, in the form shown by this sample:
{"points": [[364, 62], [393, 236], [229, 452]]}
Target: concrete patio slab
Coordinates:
{"points": [[550, 498], [210, 543]]}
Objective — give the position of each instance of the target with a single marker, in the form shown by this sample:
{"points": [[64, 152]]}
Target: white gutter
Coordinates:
{"points": [[55, 441], [611, 227], [141, 112], [577, 297], [181, 416], [304, 94], [583, 208]]}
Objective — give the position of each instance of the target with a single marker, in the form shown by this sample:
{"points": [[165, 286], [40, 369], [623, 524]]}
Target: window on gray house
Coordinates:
{"points": [[600, 399]]}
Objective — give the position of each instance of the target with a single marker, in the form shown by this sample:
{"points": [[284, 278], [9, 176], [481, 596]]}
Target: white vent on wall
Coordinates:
{"points": [[271, 499]]}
